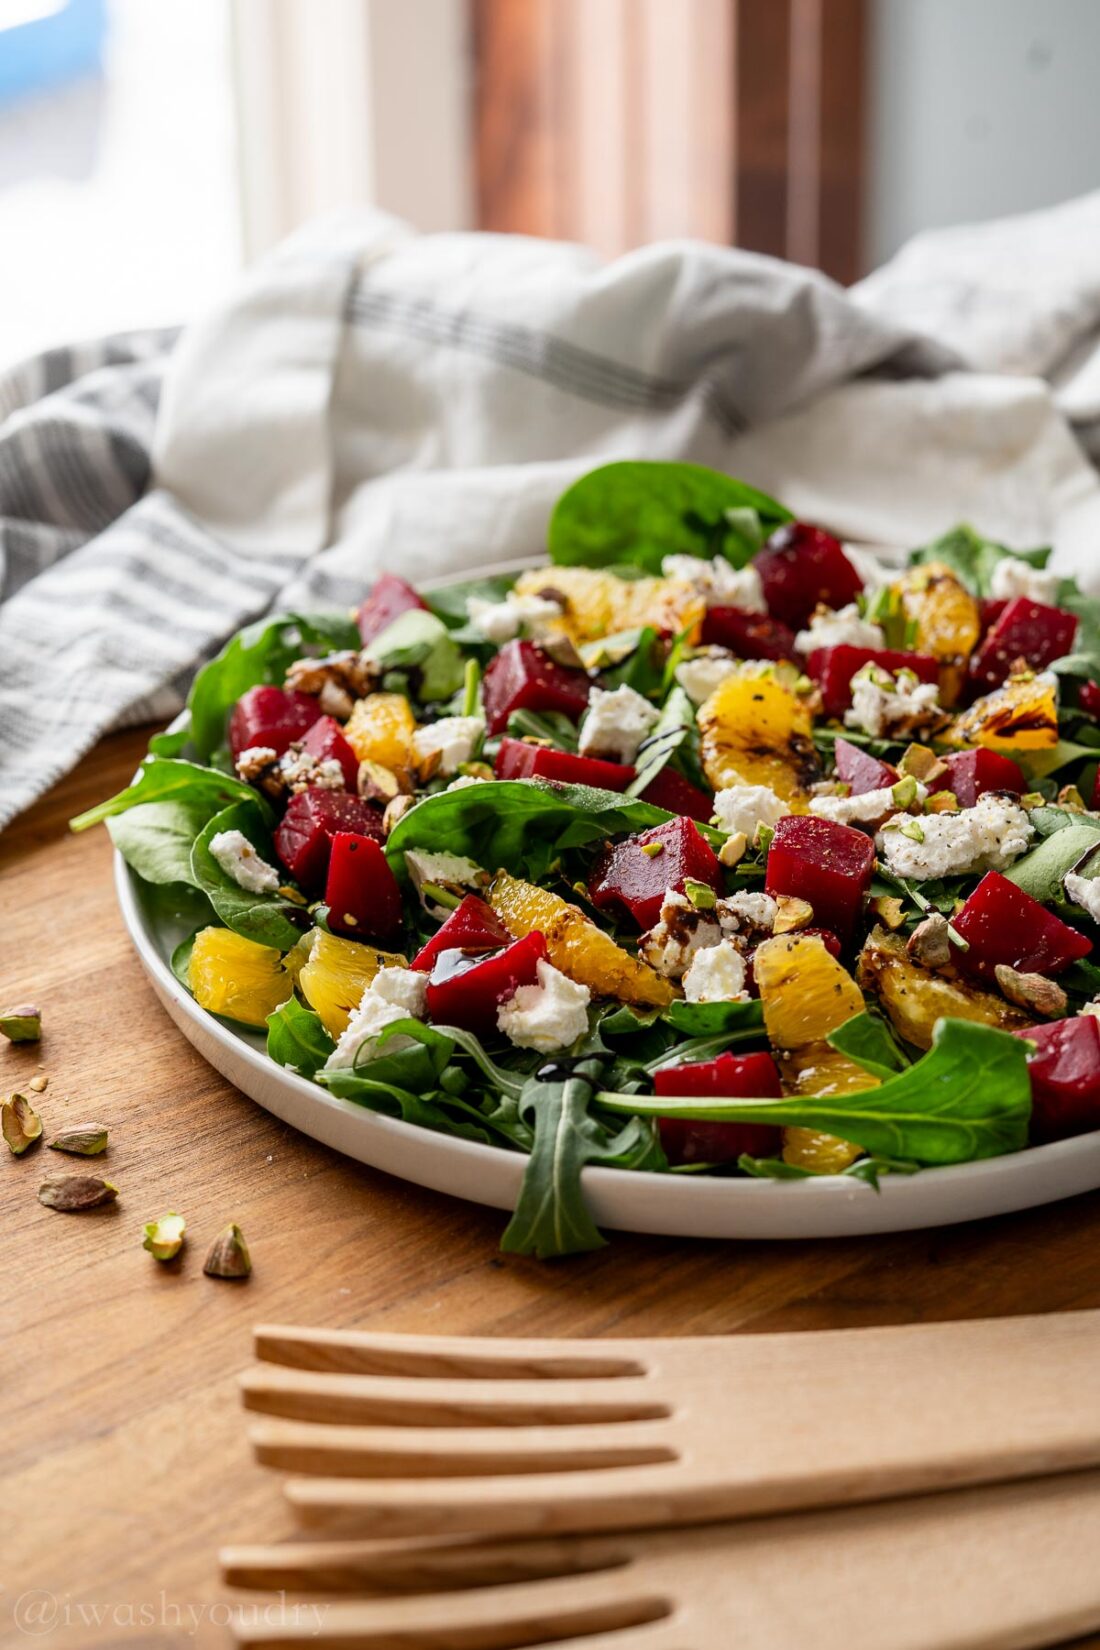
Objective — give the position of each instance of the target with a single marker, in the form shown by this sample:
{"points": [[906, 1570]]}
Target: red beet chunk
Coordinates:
{"points": [[270, 716], [732, 1077], [361, 892], [516, 759], [304, 838], [1088, 698], [325, 741], [472, 927], [1025, 630], [1065, 1077], [466, 991], [670, 790], [971, 773], [1002, 924], [749, 635], [523, 677], [1095, 801], [801, 566], [390, 598], [989, 611], [833, 668], [860, 771], [827, 864], [627, 876]]}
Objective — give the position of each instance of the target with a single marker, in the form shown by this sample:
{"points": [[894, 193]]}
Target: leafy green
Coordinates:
{"points": [[1040, 871], [674, 725], [419, 645], [973, 558], [869, 1040], [638, 512], [643, 669], [297, 1039], [545, 724], [1087, 609], [1038, 763], [1050, 819], [262, 652], [449, 604], [180, 961], [968, 1098], [716, 1019], [169, 779], [155, 838], [867, 1169], [267, 918]]}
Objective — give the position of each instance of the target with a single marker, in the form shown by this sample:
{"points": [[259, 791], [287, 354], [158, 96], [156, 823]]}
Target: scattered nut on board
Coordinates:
{"points": [[164, 1236], [73, 1193], [81, 1139], [20, 1123], [228, 1256]]}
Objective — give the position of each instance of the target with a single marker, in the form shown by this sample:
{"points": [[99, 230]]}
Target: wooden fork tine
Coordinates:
{"points": [[357, 1352], [437, 1452], [387, 1567], [305, 1395]]}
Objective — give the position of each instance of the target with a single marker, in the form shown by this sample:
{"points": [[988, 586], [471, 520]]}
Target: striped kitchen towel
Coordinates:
{"points": [[369, 399]]}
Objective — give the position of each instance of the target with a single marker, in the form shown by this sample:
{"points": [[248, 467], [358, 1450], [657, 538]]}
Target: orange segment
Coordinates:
{"points": [[1020, 716], [757, 731], [947, 619], [237, 977], [337, 973], [599, 603], [380, 729]]}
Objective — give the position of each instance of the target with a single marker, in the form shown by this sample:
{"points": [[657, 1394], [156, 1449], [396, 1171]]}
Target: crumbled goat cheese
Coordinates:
{"points": [[616, 723], [240, 861], [871, 568], [986, 837], [752, 915], [719, 582], [1013, 577], [745, 807], [546, 1016], [839, 627], [464, 780], [681, 932], [705, 671], [899, 704], [867, 809], [393, 994], [716, 975], [300, 771], [454, 737], [1092, 1008], [1083, 891], [449, 871], [503, 621]]}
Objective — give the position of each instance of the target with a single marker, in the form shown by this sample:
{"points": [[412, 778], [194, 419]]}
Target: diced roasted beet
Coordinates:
{"points": [[826, 864], [1065, 1077], [678, 795], [473, 926], [861, 771], [361, 892], [749, 635], [390, 597], [989, 611], [270, 716], [523, 677], [801, 566], [325, 741], [1002, 924], [303, 840], [627, 875], [832, 668], [466, 991], [971, 773], [1094, 802], [516, 759], [1088, 698], [729, 1076], [1025, 630]]}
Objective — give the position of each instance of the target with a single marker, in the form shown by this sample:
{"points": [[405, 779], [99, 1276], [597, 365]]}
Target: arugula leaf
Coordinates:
{"points": [[262, 652], [551, 1216], [155, 838], [419, 644], [869, 1040], [867, 1169], [973, 558], [675, 724], [1040, 871], [164, 779], [639, 511], [267, 918], [297, 1039], [969, 1097]]}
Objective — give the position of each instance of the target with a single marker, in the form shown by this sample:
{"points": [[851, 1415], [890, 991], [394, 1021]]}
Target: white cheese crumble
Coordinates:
{"points": [[677, 936], [1083, 891], [986, 837], [546, 1016], [716, 975], [301, 771], [745, 807], [505, 620], [616, 723], [449, 871], [871, 568], [1013, 577], [454, 737], [465, 780], [754, 913], [867, 809], [240, 861], [719, 582], [393, 994], [705, 671], [882, 703], [839, 627]]}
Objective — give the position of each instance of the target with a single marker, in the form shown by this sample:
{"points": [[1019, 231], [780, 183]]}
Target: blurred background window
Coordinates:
{"points": [[148, 148]]}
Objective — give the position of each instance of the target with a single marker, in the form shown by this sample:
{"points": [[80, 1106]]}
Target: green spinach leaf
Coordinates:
{"points": [[297, 1039], [155, 838], [269, 919], [973, 557], [1040, 871], [869, 1040], [717, 1019], [170, 779], [420, 649]]}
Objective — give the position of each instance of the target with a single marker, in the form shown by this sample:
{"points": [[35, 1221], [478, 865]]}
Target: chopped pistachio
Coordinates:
{"points": [[701, 894], [74, 1193], [164, 1237], [1033, 799], [81, 1139], [377, 783], [475, 770], [930, 942], [20, 1123], [941, 802], [912, 829], [228, 1256], [919, 762], [396, 810], [904, 792], [21, 1024], [39, 1083], [429, 766], [889, 910], [1070, 797], [792, 914], [652, 849], [733, 850], [1031, 991]]}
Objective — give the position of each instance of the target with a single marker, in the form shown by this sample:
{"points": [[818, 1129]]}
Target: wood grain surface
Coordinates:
{"points": [[123, 1452]]}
